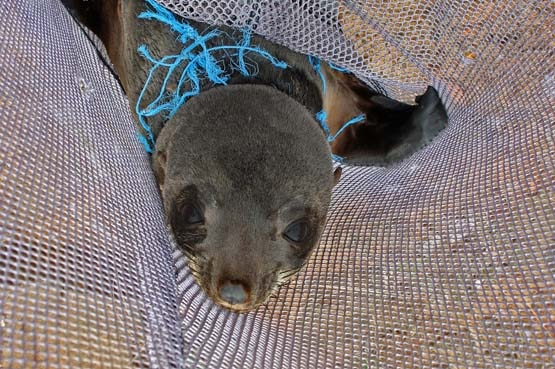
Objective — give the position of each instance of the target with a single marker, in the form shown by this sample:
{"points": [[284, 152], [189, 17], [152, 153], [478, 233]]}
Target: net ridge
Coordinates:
{"points": [[445, 260]]}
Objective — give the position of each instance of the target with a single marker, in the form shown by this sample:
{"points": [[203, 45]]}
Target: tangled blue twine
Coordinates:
{"points": [[197, 62], [338, 68], [321, 117], [317, 66]]}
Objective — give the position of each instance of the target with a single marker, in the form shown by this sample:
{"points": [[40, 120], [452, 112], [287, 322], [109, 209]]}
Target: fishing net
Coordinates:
{"points": [[446, 260]]}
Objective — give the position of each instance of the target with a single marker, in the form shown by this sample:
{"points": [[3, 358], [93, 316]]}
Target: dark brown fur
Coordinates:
{"points": [[244, 169]]}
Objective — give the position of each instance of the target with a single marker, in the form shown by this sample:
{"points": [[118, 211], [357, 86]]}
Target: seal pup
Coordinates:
{"points": [[244, 169]]}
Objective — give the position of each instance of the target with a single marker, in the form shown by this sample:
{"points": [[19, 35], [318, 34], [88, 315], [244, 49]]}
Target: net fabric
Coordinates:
{"points": [[444, 261], [85, 265]]}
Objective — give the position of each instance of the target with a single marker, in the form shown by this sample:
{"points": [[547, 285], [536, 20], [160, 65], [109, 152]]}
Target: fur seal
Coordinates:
{"points": [[245, 169]]}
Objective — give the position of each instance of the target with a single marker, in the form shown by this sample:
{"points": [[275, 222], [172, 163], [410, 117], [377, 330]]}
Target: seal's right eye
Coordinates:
{"points": [[192, 215]]}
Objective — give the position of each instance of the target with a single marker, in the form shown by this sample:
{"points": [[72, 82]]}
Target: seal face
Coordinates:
{"points": [[246, 198]]}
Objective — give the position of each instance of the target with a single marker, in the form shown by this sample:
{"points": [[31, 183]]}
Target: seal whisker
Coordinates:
{"points": [[188, 254], [287, 276], [296, 269], [194, 268], [193, 272], [289, 272], [185, 247]]}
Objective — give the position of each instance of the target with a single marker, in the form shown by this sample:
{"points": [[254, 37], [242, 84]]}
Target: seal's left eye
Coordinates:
{"points": [[192, 215], [297, 232]]}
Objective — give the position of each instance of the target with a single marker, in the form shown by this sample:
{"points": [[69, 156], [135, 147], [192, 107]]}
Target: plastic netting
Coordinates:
{"points": [[446, 260]]}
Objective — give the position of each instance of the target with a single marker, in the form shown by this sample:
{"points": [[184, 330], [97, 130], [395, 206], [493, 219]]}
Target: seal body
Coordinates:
{"points": [[245, 169]]}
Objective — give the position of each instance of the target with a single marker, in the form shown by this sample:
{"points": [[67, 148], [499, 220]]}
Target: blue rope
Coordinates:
{"points": [[339, 69], [201, 64], [322, 115], [357, 119], [317, 65]]}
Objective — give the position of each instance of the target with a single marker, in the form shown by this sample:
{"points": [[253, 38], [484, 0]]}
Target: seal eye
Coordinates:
{"points": [[297, 232], [192, 215]]}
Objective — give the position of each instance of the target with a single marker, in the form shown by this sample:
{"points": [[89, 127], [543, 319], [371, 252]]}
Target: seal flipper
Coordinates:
{"points": [[430, 115], [427, 119], [392, 130]]}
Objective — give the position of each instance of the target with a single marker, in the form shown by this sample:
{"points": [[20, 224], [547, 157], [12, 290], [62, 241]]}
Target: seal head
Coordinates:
{"points": [[246, 177]]}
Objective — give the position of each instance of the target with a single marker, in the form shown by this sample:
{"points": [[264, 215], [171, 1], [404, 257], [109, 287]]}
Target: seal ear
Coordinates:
{"points": [[159, 165], [337, 175]]}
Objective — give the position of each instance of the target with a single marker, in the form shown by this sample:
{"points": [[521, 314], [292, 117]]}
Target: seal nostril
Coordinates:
{"points": [[233, 293]]}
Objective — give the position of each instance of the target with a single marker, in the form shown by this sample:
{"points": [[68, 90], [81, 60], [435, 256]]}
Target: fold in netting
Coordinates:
{"points": [[197, 62]]}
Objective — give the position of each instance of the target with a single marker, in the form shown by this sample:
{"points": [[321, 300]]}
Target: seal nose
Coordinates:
{"points": [[234, 293]]}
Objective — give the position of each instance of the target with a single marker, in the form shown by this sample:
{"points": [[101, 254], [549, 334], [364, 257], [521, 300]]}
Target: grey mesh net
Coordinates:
{"points": [[444, 261]]}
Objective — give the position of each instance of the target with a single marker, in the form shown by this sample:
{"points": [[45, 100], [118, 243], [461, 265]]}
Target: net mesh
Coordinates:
{"points": [[446, 260]]}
